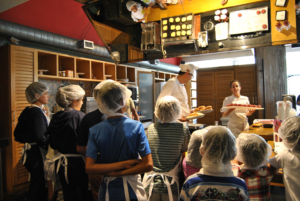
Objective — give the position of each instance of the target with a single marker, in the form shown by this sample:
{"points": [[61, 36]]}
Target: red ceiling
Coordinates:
{"points": [[64, 17]]}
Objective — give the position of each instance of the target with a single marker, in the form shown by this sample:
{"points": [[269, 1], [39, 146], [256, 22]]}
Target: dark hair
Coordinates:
{"points": [[235, 81]]}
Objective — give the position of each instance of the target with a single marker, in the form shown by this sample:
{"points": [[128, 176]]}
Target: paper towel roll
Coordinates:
{"points": [[281, 110]]}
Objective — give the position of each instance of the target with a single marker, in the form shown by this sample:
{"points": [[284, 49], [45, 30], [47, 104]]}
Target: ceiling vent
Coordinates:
{"points": [[86, 44]]}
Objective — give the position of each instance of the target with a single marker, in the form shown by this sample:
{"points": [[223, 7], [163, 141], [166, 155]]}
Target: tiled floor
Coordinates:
{"points": [[278, 194]]}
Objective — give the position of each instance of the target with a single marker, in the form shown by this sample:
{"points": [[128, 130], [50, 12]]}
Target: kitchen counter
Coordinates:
{"points": [[266, 133]]}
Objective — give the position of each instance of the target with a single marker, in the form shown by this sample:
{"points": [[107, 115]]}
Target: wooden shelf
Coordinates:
{"points": [[159, 80], [51, 77]]}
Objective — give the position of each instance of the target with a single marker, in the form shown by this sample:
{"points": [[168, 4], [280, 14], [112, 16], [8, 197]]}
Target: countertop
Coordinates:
{"points": [[266, 133]]}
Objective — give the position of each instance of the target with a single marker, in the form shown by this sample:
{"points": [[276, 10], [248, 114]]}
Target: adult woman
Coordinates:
{"points": [[238, 117], [62, 132], [31, 130]]}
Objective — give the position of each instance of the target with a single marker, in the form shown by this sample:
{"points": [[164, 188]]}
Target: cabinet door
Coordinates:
{"points": [[222, 90], [205, 94], [23, 69], [246, 76]]}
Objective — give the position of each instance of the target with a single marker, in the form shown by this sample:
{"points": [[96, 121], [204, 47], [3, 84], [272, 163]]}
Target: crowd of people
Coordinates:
{"points": [[108, 152]]}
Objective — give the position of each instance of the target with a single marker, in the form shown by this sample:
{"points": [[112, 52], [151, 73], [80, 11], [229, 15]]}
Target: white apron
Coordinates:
{"points": [[135, 183], [49, 165], [237, 123], [149, 176]]}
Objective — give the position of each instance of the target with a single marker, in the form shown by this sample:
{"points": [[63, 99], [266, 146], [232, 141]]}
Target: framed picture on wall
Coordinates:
{"points": [[281, 15], [280, 3]]}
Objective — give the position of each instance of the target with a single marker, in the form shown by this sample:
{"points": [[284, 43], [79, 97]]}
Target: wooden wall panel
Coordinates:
{"points": [[271, 78], [205, 94], [21, 77], [222, 90], [246, 76]]}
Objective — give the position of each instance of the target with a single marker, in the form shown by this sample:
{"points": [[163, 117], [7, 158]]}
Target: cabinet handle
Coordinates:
{"points": [[13, 115]]}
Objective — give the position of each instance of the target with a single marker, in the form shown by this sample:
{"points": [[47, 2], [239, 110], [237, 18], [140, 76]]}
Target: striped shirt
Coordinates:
{"points": [[206, 187], [167, 141]]}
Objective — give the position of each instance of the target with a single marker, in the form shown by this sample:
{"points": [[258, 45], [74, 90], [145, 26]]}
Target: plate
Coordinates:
{"points": [[205, 111], [244, 108], [80, 73], [195, 117], [108, 75]]}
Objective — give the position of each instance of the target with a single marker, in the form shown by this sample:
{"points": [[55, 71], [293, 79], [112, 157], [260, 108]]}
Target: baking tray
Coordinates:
{"points": [[200, 115], [180, 23], [243, 108]]}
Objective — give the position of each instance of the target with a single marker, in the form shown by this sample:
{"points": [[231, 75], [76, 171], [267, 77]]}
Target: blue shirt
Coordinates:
{"points": [[205, 187], [117, 140]]}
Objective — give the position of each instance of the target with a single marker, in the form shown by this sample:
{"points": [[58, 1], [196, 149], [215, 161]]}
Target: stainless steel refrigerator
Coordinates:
{"points": [[158, 88]]}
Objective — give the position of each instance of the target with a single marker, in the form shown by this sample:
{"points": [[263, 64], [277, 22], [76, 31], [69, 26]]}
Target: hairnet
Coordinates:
{"points": [[168, 109], [129, 4], [252, 150], [289, 132], [111, 96], [67, 94], [193, 156], [34, 91], [218, 149]]}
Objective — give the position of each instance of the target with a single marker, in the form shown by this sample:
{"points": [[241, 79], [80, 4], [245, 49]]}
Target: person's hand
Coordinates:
{"points": [[183, 119], [251, 111], [230, 110]]}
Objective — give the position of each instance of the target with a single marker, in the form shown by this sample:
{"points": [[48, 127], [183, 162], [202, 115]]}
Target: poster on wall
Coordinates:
{"points": [[248, 21]]}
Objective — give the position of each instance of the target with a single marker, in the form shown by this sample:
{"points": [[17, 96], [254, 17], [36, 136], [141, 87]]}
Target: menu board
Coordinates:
{"points": [[248, 21]]}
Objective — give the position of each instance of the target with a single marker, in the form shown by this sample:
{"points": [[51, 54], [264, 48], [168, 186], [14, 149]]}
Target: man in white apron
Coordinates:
{"points": [[120, 141], [175, 87]]}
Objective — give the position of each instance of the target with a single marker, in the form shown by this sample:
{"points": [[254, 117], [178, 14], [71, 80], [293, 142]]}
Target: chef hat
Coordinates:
{"points": [[129, 4], [188, 68]]}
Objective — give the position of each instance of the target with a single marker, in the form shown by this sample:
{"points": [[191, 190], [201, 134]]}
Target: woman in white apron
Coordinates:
{"points": [[168, 141], [119, 141], [31, 130], [238, 117]]}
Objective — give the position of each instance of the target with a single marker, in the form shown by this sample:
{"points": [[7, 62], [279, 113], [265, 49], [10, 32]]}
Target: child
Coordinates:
{"points": [[168, 141], [192, 162], [253, 151], [289, 159], [31, 130], [63, 132], [137, 11], [216, 180], [120, 141]]}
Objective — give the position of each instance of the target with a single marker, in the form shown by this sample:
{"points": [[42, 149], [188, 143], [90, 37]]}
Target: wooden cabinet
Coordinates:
{"points": [[213, 85], [19, 69], [163, 77]]}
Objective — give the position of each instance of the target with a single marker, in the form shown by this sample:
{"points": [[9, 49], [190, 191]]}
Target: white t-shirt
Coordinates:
{"points": [[290, 163], [139, 14], [174, 88]]}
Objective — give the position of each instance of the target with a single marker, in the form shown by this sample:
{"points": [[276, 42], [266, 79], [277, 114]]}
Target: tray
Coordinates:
{"points": [[244, 108], [195, 117], [205, 111]]}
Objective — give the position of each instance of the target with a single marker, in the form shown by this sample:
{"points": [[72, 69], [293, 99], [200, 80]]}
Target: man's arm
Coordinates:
{"points": [[92, 168], [145, 166]]}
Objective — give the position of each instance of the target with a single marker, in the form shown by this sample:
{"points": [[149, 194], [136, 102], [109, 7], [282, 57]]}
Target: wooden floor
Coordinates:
{"points": [[193, 6]]}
